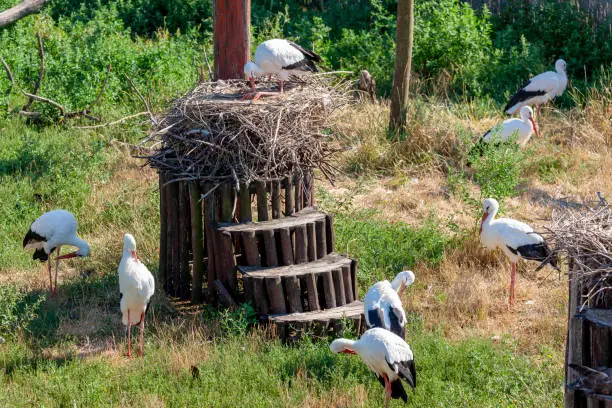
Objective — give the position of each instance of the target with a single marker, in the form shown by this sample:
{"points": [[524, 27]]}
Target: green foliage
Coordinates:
{"points": [[17, 310], [498, 169], [236, 322], [256, 372]]}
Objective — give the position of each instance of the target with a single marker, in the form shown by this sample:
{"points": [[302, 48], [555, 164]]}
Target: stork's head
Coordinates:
{"points": [[402, 281], [561, 66], [490, 207], [83, 250], [343, 346], [129, 245], [527, 115]]}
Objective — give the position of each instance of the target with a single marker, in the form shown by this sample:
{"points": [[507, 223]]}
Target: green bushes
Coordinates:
{"points": [[17, 311]]}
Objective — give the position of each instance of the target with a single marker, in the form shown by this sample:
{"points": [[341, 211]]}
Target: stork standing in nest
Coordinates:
{"points": [[280, 57]]}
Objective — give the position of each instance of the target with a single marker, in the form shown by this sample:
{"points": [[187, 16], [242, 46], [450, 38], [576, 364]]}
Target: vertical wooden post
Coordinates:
{"points": [[172, 207], [262, 201], [227, 202], [209, 222], [231, 30], [245, 203], [184, 232], [276, 199], [163, 231], [197, 244], [299, 200], [289, 195]]}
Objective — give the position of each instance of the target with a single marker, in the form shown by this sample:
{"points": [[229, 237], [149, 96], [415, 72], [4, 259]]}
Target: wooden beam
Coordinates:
{"points": [[197, 244], [231, 33]]}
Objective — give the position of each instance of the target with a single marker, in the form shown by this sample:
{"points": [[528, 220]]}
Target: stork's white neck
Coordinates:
{"points": [[81, 244], [340, 345]]}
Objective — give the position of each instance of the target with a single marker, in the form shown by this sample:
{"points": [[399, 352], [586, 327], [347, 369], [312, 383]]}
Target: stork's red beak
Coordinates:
{"points": [[348, 351], [67, 256], [484, 217], [252, 81], [535, 128], [402, 288], [134, 255]]}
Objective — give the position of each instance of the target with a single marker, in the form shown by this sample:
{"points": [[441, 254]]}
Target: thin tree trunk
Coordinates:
{"points": [[25, 8], [403, 65]]}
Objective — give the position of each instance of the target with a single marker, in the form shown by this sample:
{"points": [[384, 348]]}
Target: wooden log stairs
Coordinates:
{"points": [[283, 262]]}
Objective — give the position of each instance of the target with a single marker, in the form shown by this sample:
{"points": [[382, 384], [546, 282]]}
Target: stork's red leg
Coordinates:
{"points": [[281, 86], [129, 353], [56, 267], [387, 390], [50, 277], [142, 326], [512, 299]]}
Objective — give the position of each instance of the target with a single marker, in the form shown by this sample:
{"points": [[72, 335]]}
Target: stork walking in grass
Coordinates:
{"points": [[516, 240], [137, 285], [540, 89], [48, 233], [521, 128], [280, 57], [387, 355], [383, 306]]}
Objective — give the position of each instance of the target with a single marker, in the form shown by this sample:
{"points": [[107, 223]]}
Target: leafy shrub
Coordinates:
{"points": [[498, 168], [16, 310]]}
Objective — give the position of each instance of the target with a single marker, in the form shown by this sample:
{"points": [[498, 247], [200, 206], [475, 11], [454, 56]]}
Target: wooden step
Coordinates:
{"points": [[322, 323], [323, 284], [306, 236], [307, 215]]}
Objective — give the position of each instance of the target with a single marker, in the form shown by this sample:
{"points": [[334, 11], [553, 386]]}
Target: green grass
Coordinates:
{"points": [[257, 372]]}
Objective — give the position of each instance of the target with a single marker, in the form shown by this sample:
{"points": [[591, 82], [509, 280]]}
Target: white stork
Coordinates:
{"points": [[516, 240], [48, 233], [280, 57], [540, 89], [522, 128], [136, 285], [387, 355], [383, 306]]}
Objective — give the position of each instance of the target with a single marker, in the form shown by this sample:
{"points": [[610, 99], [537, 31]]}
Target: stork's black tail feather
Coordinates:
{"points": [[40, 254], [398, 391]]}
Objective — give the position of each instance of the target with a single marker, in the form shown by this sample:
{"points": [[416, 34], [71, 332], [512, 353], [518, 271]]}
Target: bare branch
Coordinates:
{"points": [[101, 89], [41, 71], [116, 122], [8, 70], [46, 100], [25, 8], [143, 100]]}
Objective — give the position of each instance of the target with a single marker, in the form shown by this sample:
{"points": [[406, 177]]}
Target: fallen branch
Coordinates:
{"points": [[8, 70], [45, 100], [116, 122], [143, 100], [23, 9]]}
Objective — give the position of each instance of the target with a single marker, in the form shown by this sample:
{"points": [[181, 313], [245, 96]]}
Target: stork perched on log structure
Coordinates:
{"points": [[282, 57]]}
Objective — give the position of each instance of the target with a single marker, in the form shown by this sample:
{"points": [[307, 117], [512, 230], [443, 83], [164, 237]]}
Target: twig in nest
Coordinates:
{"points": [[41, 72], [142, 99]]}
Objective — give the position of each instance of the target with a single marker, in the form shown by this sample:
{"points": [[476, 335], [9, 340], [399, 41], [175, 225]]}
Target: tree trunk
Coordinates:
{"points": [[403, 65], [25, 8]]}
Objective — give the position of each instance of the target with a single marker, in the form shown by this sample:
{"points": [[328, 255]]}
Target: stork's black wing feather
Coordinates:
{"points": [[31, 237], [302, 65], [310, 55], [397, 389], [375, 316], [396, 318], [522, 95]]}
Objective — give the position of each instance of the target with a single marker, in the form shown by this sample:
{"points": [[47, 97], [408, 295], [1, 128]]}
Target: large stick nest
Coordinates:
{"points": [[585, 239], [212, 135]]}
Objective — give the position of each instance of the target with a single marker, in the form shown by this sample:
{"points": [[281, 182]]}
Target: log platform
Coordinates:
{"points": [[323, 284], [322, 323]]}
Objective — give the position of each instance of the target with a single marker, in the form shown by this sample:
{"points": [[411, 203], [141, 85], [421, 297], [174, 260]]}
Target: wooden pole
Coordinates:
{"points": [[196, 242], [245, 203], [163, 230], [231, 30]]}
